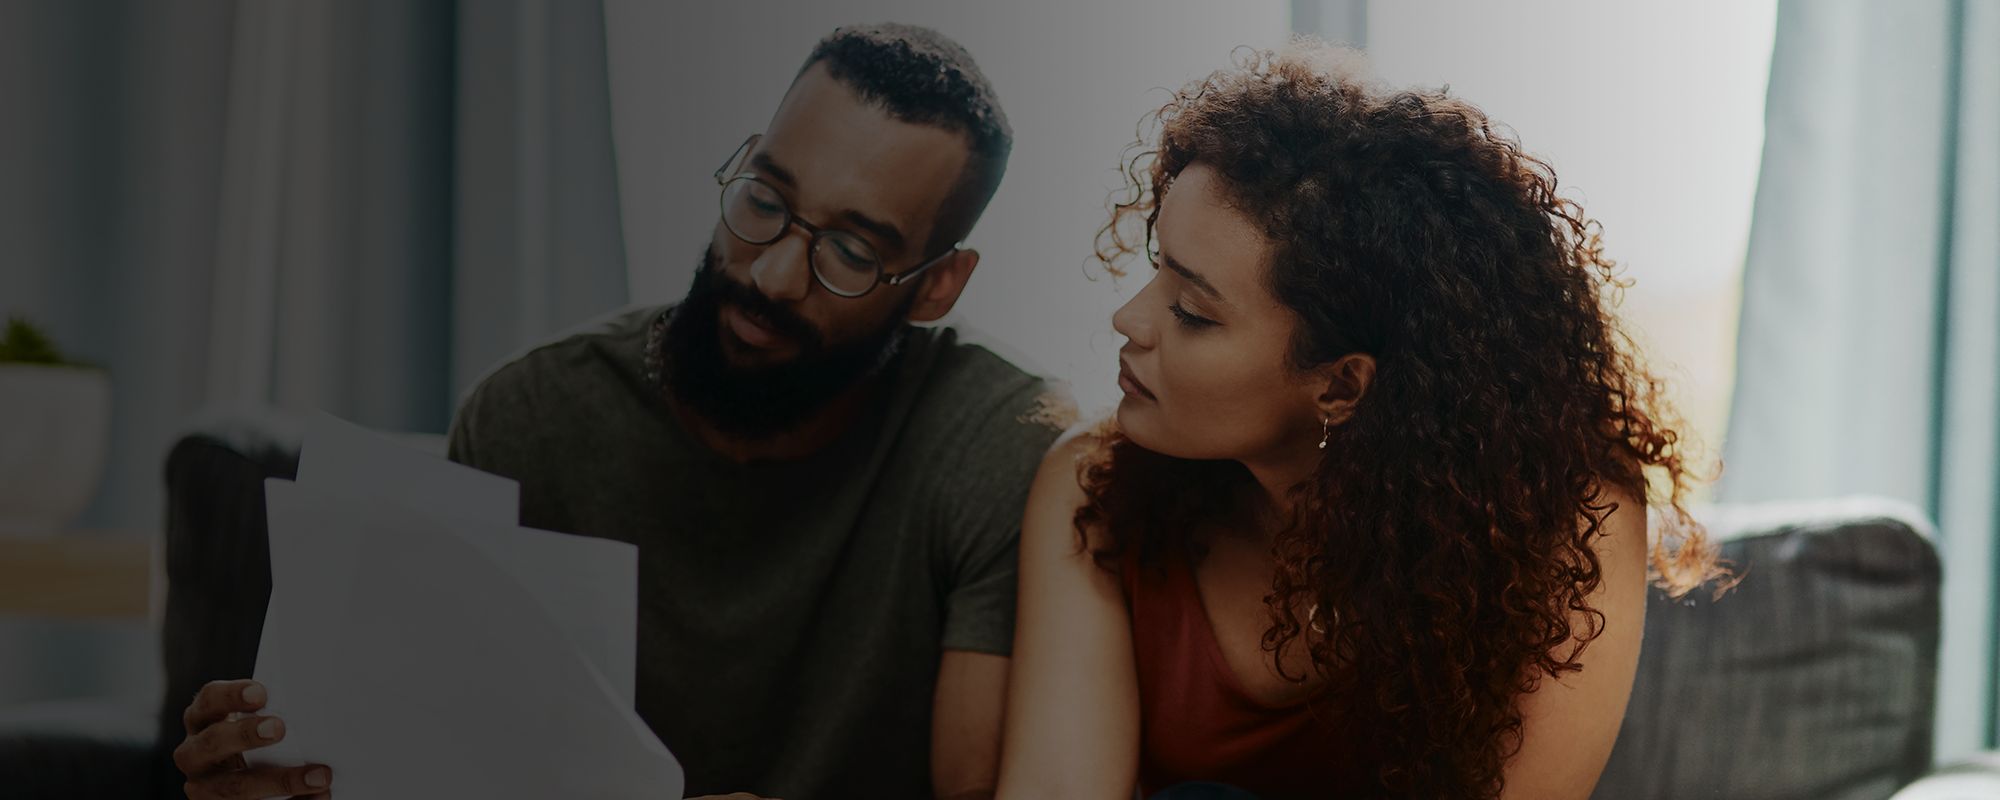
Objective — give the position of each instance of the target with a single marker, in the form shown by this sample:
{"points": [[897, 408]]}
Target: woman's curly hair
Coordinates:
{"points": [[1445, 540]]}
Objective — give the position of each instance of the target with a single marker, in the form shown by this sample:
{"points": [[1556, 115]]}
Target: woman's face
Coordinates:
{"points": [[1206, 370]]}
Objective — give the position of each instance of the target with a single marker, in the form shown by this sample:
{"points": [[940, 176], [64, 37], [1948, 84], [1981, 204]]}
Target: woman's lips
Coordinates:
{"points": [[1131, 384]]}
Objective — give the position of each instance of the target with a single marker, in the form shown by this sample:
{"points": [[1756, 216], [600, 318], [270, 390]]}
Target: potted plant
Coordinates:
{"points": [[55, 417]]}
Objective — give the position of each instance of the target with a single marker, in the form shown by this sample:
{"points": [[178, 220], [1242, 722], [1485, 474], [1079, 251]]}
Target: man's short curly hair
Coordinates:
{"points": [[922, 77]]}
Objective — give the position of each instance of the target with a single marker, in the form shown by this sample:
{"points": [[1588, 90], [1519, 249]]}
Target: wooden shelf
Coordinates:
{"points": [[78, 575]]}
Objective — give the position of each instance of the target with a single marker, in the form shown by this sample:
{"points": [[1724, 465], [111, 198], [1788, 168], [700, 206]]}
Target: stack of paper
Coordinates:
{"points": [[424, 645]]}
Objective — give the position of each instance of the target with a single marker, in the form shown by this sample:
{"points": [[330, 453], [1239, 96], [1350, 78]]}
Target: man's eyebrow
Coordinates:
{"points": [[889, 235], [1191, 276], [891, 238], [764, 165]]}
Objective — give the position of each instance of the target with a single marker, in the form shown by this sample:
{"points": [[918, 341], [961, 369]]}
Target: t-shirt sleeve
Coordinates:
{"points": [[496, 406], [984, 493], [476, 417], [458, 440]]}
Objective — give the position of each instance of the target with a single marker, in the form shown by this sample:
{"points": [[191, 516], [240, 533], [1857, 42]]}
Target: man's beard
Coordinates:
{"points": [[761, 402]]}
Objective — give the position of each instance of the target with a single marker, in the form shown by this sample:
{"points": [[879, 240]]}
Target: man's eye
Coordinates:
{"points": [[852, 256]]}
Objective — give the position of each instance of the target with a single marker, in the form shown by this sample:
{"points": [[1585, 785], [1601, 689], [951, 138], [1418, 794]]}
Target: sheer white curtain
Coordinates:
{"points": [[358, 205], [1870, 355]]}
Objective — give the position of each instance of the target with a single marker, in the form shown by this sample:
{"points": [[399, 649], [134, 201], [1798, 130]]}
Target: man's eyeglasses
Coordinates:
{"points": [[842, 261]]}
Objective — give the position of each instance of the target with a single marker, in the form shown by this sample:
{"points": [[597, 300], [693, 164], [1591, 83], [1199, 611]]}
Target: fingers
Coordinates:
{"points": [[255, 784], [218, 699], [221, 744], [220, 729]]}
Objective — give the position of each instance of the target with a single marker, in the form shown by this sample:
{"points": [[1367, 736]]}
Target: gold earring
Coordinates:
{"points": [[1312, 619], [1325, 431]]}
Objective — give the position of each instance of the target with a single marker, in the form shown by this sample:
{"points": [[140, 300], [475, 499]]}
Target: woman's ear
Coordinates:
{"points": [[1343, 383], [938, 288]]}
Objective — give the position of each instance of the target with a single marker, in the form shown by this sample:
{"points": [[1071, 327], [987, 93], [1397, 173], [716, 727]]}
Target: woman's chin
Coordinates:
{"points": [[1140, 422], [1137, 423]]}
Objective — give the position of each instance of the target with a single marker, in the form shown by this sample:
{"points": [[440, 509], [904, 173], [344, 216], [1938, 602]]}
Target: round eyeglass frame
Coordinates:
{"points": [[732, 171]]}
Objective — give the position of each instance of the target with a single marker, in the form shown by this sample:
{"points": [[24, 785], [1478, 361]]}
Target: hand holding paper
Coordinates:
{"points": [[423, 645]]}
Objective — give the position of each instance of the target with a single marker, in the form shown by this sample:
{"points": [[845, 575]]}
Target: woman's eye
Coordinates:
{"points": [[1188, 319]]}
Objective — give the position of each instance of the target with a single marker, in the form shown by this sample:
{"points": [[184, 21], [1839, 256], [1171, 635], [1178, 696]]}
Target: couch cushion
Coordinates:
{"points": [[1813, 678]]}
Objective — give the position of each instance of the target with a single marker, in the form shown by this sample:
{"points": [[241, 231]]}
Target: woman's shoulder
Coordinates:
{"points": [[1079, 440], [1058, 491], [1063, 465]]}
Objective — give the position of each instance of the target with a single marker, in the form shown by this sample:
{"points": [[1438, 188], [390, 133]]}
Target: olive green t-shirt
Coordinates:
{"points": [[791, 614]]}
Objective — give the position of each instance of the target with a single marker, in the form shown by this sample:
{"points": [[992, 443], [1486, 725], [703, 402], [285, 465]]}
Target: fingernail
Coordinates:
{"points": [[254, 694], [317, 778], [268, 728]]}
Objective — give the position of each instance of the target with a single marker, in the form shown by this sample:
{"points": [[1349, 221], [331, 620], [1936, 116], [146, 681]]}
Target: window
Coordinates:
{"points": [[1653, 118]]}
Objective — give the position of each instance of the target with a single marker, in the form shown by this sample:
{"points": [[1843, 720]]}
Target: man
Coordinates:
{"points": [[826, 499]]}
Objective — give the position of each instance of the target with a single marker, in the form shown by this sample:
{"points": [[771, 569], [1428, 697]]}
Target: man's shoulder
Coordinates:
{"points": [[975, 397], [602, 352]]}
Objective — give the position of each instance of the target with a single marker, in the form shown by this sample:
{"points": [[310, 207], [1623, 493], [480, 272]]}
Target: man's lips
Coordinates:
{"points": [[1128, 382], [750, 332]]}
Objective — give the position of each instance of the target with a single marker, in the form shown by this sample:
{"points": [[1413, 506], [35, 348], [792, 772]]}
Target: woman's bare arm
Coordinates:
{"points": [[1570, 724], [1072, 726]]}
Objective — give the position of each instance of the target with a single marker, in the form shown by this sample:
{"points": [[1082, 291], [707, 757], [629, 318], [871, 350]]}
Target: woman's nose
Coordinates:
{"points": [[1130, 321]]}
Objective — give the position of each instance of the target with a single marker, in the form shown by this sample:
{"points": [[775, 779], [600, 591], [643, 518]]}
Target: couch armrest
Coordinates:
{"points": [[217, 555], [1976, 778]]}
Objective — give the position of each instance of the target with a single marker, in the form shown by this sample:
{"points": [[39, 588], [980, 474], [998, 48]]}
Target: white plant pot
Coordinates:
{"points": [[54, 422]]}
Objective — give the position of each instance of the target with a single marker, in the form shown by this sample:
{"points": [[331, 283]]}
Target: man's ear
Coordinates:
{"points": [[1342, 384], [939, 287]]}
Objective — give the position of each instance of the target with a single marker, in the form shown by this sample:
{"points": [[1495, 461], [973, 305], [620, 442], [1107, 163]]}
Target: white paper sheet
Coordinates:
{"points": [[590, 586], [340, 456], [425, 646]]}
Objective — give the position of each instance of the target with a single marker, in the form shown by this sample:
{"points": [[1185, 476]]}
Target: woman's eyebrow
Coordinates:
{"points": [[1191, 276]]}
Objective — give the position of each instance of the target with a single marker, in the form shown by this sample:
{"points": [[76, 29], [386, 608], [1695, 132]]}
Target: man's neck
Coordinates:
{"points": [[812, 435]]}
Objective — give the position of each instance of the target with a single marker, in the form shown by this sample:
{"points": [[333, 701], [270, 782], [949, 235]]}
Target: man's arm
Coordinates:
{"points": [[965, 725], [979, 523]]}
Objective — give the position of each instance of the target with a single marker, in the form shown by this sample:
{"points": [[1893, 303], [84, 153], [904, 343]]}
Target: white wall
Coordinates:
{"points": [[1651, 114], [1653, 117], [1075, 78]]}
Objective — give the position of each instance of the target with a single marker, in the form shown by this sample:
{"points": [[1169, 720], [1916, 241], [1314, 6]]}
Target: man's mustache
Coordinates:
{"points": [[765, 311]]}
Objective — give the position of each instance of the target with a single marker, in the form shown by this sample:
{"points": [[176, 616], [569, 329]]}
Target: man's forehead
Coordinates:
{"points": [[847, 153]]}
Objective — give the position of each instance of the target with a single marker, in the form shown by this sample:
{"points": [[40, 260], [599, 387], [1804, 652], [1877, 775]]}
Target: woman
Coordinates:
{"points": [[1371, 517]]}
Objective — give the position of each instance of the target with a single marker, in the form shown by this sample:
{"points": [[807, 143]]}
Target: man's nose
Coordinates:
{"points": [[783, 271]]}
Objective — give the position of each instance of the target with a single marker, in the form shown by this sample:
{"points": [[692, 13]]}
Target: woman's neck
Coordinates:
{"points": [[1276, 478]]}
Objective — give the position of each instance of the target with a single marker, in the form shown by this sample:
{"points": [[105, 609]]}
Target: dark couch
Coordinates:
{"points": [[1815, 678], [218, 582]]}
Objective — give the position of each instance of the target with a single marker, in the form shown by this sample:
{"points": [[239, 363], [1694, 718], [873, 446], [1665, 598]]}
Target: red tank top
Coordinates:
{"points": [[1196, 721]]}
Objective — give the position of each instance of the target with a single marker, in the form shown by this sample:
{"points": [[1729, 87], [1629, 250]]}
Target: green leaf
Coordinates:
{"points": [[23, 343]]}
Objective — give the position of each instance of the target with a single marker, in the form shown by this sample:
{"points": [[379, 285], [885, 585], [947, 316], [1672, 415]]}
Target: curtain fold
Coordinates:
{"points": [[540, 244], [356, 205], [1869, 349]]}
